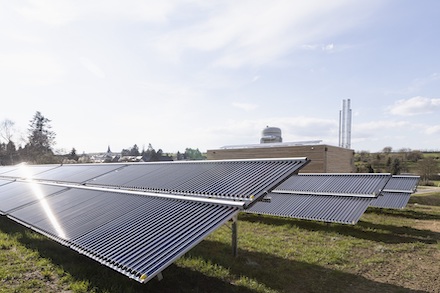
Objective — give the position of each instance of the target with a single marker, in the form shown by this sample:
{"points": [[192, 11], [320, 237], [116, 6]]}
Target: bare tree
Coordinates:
{"points": [[8, 152], [387, 150], [7, 130], [427, 169]]}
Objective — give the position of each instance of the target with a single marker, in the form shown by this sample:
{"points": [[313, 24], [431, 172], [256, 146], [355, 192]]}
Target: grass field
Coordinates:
{"points": [[387, 251]]}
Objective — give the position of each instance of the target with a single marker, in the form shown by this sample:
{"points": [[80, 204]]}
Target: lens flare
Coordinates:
{"points": [[38, 193]]}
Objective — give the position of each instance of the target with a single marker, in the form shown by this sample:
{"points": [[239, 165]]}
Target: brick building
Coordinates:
{"points": [[324, 158]]}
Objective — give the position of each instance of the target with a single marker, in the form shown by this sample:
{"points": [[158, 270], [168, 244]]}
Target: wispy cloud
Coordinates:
{"points": [[415, 106], [92, 67], [313, 47], [417, 84], [244, 34], [433, 130], [328, 47], [62, 12]]}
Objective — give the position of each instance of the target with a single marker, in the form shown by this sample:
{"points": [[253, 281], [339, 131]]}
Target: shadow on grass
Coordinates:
{"points": [[363, 230], [429, 199], [286, 275], [405, 213], [274, 272]]}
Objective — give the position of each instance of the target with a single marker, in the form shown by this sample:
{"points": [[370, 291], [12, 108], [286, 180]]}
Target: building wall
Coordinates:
{"points": [[324, 158], [339, 160]]}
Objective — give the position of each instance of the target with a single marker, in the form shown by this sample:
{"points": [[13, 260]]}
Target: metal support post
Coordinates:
{"points": [[234, 236], [160, 277]]}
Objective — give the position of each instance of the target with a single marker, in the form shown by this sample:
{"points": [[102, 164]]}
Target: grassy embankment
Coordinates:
{"points": [[387, 251]]}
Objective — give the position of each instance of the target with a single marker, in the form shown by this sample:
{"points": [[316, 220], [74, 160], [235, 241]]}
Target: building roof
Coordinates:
{"points": [[274, 144]]}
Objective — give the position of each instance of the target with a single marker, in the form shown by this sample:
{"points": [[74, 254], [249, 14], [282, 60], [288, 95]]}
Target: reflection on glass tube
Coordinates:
{"points": [[36, 190]]}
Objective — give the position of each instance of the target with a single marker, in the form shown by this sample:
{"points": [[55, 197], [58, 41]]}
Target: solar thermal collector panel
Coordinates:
{"points": [[401, 183], [397, 192], [339, 198], [19, 194], [137, 233], [336, 209], [233, 179], [332, 184], [391, 200]]}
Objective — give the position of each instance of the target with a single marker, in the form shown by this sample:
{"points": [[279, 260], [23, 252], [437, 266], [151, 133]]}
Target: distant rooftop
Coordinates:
{"points": [[268, 145]]}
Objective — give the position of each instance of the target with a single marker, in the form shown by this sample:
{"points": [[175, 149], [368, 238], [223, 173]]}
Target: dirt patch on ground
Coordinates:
{"points": [[427, 189], [408, 269], [431, 225], [420, 273]]}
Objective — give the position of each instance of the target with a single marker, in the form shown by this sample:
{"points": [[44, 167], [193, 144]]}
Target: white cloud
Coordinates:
{"points": [[309, 47], [245, 106], [313, 47], [328, 47], [415, 106]]}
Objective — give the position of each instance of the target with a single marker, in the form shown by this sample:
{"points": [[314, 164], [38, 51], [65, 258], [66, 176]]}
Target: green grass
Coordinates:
{"points": [[429, 199], [436, 182], [387, 251]]}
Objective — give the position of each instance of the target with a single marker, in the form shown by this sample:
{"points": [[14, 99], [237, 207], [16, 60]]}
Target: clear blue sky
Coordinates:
{"points": [[204, 74]]}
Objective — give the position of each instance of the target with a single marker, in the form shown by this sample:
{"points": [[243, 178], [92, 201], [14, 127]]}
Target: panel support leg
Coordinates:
{"points": [[234, 236], [159, 276]]}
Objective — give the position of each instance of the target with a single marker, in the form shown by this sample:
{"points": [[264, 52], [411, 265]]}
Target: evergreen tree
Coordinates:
{"points": [[41, 139], [396, 167], [72, 155], [150, 154], [134, 151], [193, 154]]}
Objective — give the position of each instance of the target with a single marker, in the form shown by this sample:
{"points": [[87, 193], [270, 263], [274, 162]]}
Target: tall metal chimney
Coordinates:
{"points": [[348, 128], [345, 125]]}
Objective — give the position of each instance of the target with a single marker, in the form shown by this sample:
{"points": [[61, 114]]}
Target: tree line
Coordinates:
{"points": [[38, 148], [40, 140], [402, 161]]}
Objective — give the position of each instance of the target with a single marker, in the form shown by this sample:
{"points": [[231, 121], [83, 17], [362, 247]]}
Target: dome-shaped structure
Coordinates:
{"points": [[271, 135]]}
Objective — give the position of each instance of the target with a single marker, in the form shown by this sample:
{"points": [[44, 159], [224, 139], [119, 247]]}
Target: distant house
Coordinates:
{"points": [[107, 157], [131, 159]]}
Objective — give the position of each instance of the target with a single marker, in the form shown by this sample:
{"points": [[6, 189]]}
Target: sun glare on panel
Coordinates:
{"points": [[36, 190]]}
